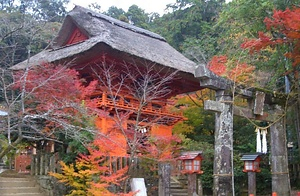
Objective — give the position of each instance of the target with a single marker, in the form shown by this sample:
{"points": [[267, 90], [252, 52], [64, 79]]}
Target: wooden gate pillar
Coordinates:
{"points": [[279, 159], [223, 150]]}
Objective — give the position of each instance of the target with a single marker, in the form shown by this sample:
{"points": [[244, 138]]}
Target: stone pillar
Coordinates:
{"points": [[279, 158], [164, 172], [223, 171]]}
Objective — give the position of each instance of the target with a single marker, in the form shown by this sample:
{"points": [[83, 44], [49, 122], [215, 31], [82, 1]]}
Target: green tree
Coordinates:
{"points": [[239, 20], [46, 10], [188, 27], [21, 35], [137, 16], [117, 13]]}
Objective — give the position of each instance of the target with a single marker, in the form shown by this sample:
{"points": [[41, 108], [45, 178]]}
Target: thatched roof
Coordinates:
{"points": [[106, 32]]}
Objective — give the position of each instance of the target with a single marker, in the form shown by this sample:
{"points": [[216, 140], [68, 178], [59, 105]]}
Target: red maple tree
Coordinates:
{"points": [[283, 29], [236, 71], [54, 95]]}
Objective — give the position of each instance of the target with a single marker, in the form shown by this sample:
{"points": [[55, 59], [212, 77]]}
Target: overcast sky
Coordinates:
{"points": [[147, 5]]}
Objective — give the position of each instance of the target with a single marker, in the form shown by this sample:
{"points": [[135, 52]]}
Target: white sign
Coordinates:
{"points": [[138, 185], [3, 113]]}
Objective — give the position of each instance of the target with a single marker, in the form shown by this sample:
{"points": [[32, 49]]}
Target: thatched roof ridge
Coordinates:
{"points": [[120, 36], [79, 10]]}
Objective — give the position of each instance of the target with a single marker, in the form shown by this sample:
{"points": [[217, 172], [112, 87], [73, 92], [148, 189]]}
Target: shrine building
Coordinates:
{"points": [[88, 40]]}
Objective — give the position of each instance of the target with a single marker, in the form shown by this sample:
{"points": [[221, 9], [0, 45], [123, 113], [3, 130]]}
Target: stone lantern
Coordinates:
{"points": [[251, 166], [191, 162]]}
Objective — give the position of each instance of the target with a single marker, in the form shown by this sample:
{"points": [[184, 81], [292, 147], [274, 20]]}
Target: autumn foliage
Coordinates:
{"points": [[234, 70], [283, 29], [55, 94], [50, 85], [161, 148], [91, 174]]}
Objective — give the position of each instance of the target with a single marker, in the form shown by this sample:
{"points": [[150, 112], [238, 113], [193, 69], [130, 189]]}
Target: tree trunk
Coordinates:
{"points": [[10, 147]]}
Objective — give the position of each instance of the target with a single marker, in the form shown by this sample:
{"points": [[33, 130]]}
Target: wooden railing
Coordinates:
{"points": [[130, 103], [42, 164]]}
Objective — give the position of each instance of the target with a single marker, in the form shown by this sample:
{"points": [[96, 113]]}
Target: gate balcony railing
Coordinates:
{"points": [[130, 103]]}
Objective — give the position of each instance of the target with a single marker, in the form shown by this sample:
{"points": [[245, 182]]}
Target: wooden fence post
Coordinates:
{"points": [[37, 164], [47, 163], [33, 165], [42, 164]]}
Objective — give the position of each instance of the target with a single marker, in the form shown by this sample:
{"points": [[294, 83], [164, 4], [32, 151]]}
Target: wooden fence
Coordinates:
{"points": [[294, 172], [41, 164]]}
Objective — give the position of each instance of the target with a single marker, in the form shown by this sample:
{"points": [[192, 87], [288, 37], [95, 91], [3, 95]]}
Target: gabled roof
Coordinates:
{"points": [[251, 156], [105, 33], [190, 155], [93, 24]]}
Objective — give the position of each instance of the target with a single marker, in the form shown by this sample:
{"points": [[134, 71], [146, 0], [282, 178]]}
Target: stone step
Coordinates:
{"points": [[22, 194], [179, 194], [177, 185], [177, 188], [14, 184], [14, 190]]}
